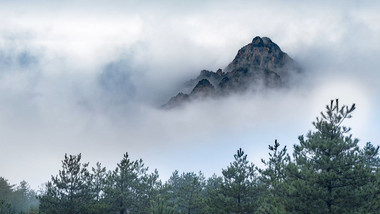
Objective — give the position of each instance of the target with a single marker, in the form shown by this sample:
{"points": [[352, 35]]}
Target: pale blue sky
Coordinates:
{"points": [[87, 77]]}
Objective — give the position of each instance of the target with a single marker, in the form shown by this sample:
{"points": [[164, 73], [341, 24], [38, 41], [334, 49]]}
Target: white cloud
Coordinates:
{"points": [[67, 96]]}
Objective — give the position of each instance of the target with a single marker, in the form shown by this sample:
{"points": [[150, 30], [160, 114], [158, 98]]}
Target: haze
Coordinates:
{"points": [[89, 77]]}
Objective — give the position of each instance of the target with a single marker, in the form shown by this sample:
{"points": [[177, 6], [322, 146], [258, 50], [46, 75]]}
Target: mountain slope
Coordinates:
{"points": [[261, 63]]}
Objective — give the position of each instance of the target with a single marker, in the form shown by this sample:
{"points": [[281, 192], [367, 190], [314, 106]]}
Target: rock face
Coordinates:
{"points": [[203, 88], [176, 101], [261, 63], [261, 54], [213, 77]]}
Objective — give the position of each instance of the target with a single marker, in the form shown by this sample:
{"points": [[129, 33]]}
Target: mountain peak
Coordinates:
{"points": [[266, 40], [203, 88], [260, 62], [257, 41], [262, 41], [176, 101], [262, 53]]}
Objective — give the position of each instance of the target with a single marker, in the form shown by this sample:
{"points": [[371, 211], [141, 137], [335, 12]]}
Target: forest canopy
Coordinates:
{"points": [[326, 173]]}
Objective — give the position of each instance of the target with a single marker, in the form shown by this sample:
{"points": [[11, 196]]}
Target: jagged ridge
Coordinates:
{"points": [[261, 62]]}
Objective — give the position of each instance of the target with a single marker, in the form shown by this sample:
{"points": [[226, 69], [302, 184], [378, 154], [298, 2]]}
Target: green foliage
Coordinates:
{"points": [[130, 188], [215, 197], [16, 199], [5, 208], [329, 175], [239, 185], [370, 157], [98, 202], [273, 181], [127, 189], [69, 191], [160, 207], [6, 190], [185, 192], [24, 198]]}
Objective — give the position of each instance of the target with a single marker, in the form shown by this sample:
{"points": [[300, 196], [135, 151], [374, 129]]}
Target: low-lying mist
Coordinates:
{"points": [[98, 91]]}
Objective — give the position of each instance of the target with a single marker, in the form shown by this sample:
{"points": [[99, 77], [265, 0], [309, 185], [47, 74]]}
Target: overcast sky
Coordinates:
{"points": [[89, 76]]}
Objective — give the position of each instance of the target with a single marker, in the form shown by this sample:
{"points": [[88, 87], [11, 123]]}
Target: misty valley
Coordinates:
{"points": [[327, 173], [189, 107]]}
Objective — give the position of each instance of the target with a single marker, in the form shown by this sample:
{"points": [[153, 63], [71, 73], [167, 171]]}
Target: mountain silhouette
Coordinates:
{"points": [[259, 64]]}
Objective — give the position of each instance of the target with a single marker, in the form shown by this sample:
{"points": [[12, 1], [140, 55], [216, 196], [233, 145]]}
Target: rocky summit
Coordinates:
{"points": [[259, 64]]}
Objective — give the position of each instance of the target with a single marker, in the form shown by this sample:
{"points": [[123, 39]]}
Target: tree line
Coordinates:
{"points": [[17, 199], [327, 173]]}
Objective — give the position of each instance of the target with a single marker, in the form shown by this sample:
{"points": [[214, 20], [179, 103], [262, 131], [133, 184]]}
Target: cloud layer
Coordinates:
{"points": [[89, 77]]}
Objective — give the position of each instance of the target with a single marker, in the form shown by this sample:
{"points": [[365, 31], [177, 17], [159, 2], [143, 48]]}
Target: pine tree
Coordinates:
{"points": [[6, 191], [186, 192], [6, 208], [215, 199], [370, 155], [97, 190], [160, 207], [371, 159], [273, 181], [24, 198], [68, 192], [128, 189], [150, 187], [239, 185], [328, 175]]}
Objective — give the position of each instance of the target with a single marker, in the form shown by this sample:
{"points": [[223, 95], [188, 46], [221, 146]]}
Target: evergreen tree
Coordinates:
{"points": [[239, 185], [215, 199], [328, 175], [160, 207], [185, 192], [150, 187], [24, 199], [6, 191], [68, 192], [370, 156], [16, 199], [127, 191], [98, 185], [273, 181], [5, 207]]}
